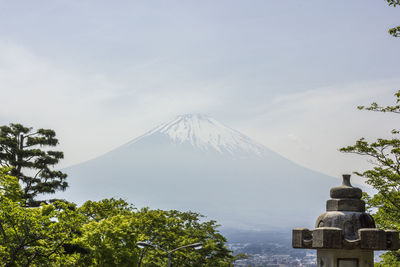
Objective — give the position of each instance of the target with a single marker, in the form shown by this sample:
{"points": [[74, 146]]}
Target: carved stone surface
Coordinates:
{"points": [[345, 204], [346, 190], [345, 227], [332, 257], [346, 211], [327, 237], [301, 238], [392, 240], [333, 238], [374, 239], [349, 221], [351, 244]]}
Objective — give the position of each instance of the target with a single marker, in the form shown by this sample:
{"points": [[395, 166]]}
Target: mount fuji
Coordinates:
{"points": [[196, 163]]}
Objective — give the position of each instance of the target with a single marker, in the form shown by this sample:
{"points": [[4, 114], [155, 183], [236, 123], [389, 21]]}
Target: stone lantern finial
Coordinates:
{"points": [[345, 232]]}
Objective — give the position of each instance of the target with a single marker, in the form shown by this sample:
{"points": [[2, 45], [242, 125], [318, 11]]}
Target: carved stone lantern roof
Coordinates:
{"points": [[346, 210], [345, 225]]}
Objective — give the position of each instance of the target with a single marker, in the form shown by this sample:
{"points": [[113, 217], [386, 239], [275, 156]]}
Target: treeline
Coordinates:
{"points": [[103, 233], [37, 232]]}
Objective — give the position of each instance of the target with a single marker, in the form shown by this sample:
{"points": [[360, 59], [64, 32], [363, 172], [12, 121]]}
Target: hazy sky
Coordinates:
{"points": [[287, 73]]}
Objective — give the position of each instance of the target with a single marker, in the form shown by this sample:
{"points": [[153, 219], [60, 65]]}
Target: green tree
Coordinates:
{"points": [[33, 236], [113, 227], [100, 233], [23, 149], [384, 154], [395, 31], [172, 229], [108, 233]]}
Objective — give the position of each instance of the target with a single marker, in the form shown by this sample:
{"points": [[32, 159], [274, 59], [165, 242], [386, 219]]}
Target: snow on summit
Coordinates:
{"points": [[194, 162], [205, 133]]}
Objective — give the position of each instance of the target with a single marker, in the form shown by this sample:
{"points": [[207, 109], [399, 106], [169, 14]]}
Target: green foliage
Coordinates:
{"points": [[113, 227], [389, 259], [396, 30], [22, 149], [108, 234], [111, 241], [101, 233], [172, 229], [9, 186], [375, 107], [99, 210], [393, 2], [32, 236], [384, 154]]}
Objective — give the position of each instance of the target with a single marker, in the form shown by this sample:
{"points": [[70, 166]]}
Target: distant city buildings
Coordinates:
{"points": [[273, 255], [310, 260]]}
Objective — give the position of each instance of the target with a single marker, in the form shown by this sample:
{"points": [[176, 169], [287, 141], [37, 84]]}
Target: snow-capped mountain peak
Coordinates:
{"points": [[195, 163], [205, 133]]}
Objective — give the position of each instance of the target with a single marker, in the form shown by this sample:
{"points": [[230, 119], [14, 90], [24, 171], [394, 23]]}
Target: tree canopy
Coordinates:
{"points": [[24, 149], [100, 233], [31, 236], [384, 154]]}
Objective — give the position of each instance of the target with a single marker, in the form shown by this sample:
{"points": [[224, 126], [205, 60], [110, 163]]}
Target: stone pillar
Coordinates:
{"points": [[345, 258], [345, 236]]}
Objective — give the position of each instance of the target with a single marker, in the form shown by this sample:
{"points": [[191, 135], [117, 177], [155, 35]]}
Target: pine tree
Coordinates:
{"points": [[23, 149]]}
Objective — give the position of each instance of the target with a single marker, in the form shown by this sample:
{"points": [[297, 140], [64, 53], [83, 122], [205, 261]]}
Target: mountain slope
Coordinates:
{"points": [[194, 162]]}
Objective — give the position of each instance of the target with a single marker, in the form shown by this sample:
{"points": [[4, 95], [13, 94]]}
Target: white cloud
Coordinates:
{"points": [[322, 120], [91, 113], [292, 137]]}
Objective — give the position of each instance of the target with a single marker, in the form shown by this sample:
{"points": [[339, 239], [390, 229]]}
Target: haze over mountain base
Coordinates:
{"points": [[196, 163]]}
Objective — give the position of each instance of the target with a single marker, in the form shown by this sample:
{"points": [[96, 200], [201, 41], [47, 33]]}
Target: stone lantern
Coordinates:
{"points": [[345, 235]]}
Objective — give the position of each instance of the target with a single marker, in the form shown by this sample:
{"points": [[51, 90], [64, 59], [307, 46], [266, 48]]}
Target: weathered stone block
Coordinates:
{"points": [[351, 244], [345, 205], [327, 237], [372, 238], [346, 190], [392, 240], [301, 238]]}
